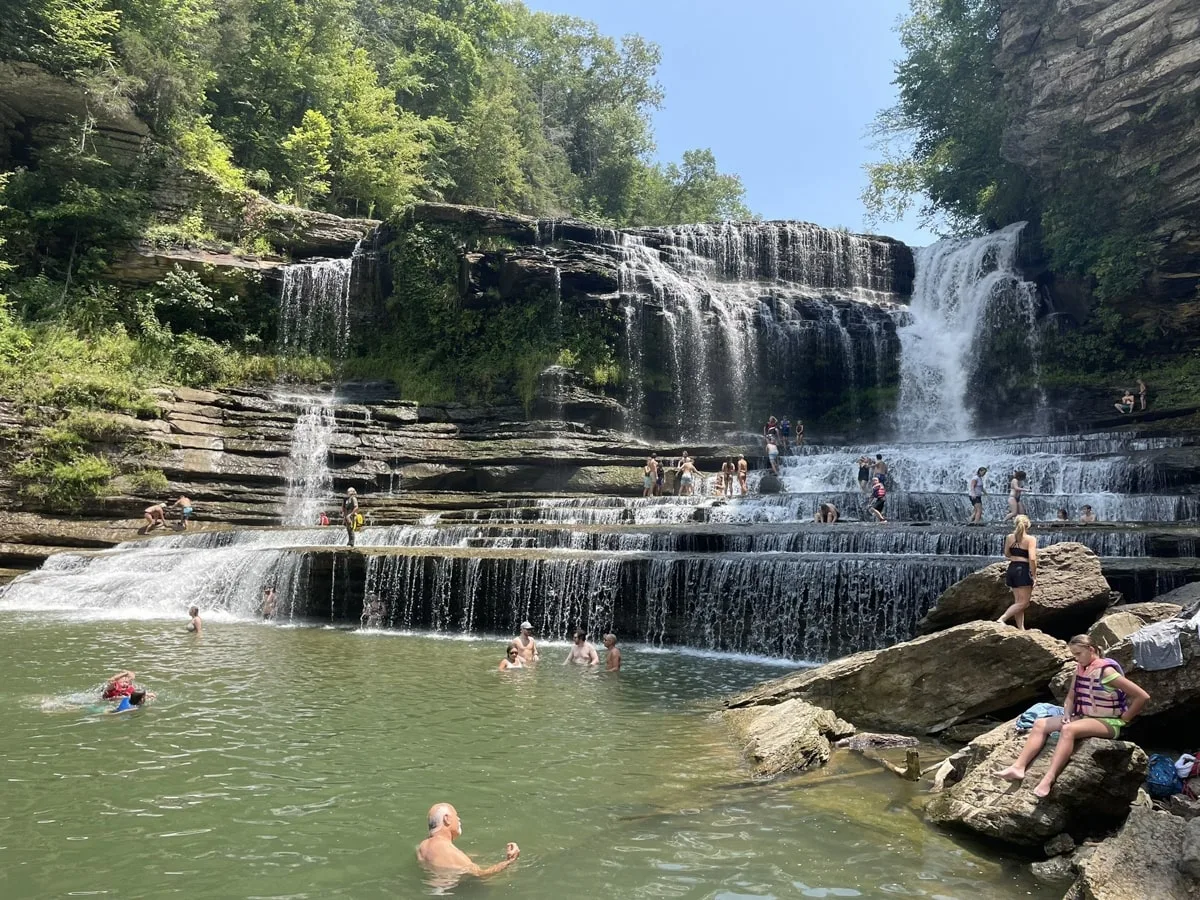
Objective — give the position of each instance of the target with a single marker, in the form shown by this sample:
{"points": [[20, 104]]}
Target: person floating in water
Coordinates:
{"points": [[1100, 702], [195, 624], [133, 701], [184, 505], [612, 655], [120, 685], [976, 492], [350, 516], [1126, 404], [438, 853], [1020, 549], [582, 653], [512, 659]]}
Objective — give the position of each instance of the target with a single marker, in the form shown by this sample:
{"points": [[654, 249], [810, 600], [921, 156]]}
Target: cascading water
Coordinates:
{"points": [[314, 306], [754, 317], [309, 479], [972, 330]]}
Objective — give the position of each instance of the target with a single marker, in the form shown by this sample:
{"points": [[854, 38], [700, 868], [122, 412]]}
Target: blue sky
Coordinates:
{"points": [[783, 91]]}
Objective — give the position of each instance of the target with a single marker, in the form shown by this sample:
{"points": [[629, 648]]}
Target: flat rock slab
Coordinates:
{"points": [[1093, 792], [1143, 859], [787, 737], [926, 685], [1070, 587]]}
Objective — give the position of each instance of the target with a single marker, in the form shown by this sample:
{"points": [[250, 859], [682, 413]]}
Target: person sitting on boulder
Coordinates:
{"points": [[1126, 404], [1100, 702]]}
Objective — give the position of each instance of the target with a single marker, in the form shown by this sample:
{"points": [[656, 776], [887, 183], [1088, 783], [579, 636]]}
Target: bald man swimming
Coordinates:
{"points": [[438, 853]]}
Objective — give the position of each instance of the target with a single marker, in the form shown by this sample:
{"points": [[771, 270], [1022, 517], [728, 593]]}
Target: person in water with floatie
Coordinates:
{"points": [[133, 701], [1100, 702]]}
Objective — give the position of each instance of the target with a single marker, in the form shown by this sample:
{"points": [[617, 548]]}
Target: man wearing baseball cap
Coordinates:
{"points": [[526, 644]]}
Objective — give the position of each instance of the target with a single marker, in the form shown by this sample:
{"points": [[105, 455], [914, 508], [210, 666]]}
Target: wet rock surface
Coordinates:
{"points": [[790, 736]]}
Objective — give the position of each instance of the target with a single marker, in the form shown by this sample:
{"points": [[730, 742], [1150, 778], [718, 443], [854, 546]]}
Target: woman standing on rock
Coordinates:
{"points": [[1020, 549], [1100, 702]]}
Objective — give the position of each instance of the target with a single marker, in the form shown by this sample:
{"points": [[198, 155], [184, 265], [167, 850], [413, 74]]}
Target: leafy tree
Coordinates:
{"points": [[691, 192], [306, 150]]}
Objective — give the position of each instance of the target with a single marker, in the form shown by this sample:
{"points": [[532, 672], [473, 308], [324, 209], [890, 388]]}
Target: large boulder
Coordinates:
{"points": [[787, 737], [1169, 689], [1092, 793], [1186, 597], [928, 684], [1156, 610], [1144, 859], [1070, 593], [1114, 628]]}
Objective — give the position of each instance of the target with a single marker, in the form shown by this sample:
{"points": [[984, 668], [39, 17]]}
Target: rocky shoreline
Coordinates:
{"points": [[969, 678]]}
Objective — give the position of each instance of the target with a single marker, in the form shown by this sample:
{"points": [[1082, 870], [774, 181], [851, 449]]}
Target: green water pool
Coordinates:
{"points": [[300, 763]]}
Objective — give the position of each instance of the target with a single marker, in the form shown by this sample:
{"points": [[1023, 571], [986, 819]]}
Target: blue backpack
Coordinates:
{"points": [[1161, 778]]}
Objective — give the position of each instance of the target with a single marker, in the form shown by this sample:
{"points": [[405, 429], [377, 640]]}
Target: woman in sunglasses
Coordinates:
{"points": [[512, 659]]}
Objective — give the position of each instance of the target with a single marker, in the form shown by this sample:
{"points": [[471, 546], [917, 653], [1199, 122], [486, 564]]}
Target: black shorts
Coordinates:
{"points": [[864, 475], [878, 504], [1018, 575], [975, 501]]}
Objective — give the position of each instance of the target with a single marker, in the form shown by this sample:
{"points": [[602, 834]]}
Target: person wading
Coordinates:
{"points": [[438, 853]]}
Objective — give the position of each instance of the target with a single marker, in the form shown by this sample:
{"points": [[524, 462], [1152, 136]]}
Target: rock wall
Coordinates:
{"points": [[1128, 73]]}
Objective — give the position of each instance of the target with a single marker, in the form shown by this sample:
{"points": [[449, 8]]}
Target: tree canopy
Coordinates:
{"points": [[362, 106]]}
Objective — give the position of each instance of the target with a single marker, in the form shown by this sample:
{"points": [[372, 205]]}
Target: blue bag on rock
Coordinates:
{"points": [[1161, 778]]}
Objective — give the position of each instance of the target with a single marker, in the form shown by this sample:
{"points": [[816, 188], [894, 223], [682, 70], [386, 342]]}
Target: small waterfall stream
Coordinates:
{"points": [[309, 478], [972, 329], [314, 306]]}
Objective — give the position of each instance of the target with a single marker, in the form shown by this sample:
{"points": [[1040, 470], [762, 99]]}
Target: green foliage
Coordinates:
{"points": [[692, 192], [306, 151], [64, 485], [96, 427]]}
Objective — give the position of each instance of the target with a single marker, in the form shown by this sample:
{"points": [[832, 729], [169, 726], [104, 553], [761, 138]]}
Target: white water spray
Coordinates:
{"points": [[309, 479], [964, 291]]}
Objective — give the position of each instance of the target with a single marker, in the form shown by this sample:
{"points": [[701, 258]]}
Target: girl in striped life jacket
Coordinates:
{"points": [[1100, 702]]}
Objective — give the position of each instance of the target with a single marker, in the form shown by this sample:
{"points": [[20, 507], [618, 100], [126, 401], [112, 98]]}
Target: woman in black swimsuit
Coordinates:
{"points": [[864, 473], [1020, 549]]}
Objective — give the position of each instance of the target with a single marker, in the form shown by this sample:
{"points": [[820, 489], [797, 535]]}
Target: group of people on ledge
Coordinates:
{"points": [[688, 477], [1126, 404], [156, 514], [1017, 490], [522, 651]]}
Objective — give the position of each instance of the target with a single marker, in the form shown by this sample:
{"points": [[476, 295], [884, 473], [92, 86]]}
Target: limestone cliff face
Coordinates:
{"points": [[1128, 73]]}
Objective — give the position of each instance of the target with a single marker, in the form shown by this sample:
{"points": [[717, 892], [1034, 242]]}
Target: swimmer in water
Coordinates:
{"points": [[120, 685], [582, 653], [134, 700], [195, 625], [512, 659], [438, 854], [612, 656], [525, 644]]}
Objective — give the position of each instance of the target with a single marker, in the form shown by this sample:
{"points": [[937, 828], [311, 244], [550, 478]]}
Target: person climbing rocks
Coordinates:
{"points": [[1020, 549], [438, 853], [184, 506], [826, 514], [155, 516], [1100, 702], [350, 516]]}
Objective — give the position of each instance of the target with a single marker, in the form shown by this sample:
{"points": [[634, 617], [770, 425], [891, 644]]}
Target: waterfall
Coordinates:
{"points": [[314, 306], [309, 479], [972, 329], [753, 318]]}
